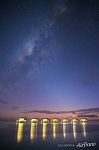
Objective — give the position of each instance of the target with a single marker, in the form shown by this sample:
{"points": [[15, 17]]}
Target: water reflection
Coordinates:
{"points": [[74, 131], [84, 129], [64, 130], [55, 126], [44, 132], [20, 132], [33, 131]]}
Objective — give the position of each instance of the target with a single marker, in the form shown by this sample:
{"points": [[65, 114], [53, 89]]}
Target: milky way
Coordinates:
{"points": [[36, 51]]}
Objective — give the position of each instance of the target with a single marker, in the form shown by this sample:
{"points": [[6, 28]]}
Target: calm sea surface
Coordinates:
{"points": [[49, 136]]}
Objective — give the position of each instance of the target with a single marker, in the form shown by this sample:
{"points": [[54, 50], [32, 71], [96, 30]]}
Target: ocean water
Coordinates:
{"points": [[49, 136]]}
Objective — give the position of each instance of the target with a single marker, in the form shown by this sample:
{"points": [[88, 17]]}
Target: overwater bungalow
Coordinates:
{"points": [[55, 120], [74, 121], [34, 120], [64, 121], [83, 121], [21, 120], [45, 120]]}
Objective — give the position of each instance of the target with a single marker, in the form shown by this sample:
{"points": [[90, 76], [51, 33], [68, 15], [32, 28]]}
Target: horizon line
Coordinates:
{"points": [[60, 112]]}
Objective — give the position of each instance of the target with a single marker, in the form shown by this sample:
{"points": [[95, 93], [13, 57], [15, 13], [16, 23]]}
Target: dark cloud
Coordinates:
{"points": [[45, 111], [15, 107], [89, 116], [89, 110], [3, 101]]}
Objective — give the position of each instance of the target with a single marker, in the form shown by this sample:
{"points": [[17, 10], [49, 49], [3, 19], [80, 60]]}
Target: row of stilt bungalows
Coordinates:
{"points": [[55, 120]]}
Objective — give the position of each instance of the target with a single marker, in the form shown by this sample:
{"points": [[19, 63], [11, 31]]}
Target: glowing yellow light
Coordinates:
{"points": [[84, 129], [55, 121], [55, 125], [20, 132], [83, 121], [65, 121], [34, 120], [74, 131], [64, 130], [33, 131], [21, 120], [74, 121], [44, 132], [45, 120]]}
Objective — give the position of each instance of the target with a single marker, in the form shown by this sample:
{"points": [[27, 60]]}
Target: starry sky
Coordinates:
{"points": [[49, 55]]}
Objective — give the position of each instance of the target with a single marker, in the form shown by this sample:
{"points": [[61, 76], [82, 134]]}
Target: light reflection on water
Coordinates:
{"points": [[74, 132], [64, 130], [55, 128], [84, 126], [44, 131], [34, 130], [31, 136], [20, 132]]}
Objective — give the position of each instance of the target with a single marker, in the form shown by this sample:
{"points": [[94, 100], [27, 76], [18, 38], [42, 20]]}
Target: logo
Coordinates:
{"points": [[86, 144]]}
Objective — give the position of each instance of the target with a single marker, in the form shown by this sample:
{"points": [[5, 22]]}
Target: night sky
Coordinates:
{"points": [[49, 55]]}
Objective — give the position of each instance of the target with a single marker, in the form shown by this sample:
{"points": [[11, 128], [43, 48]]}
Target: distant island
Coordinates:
{"points": [[89, 114]]}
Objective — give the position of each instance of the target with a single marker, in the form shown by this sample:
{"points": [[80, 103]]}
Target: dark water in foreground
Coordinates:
{"points": [[49, 136]]}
